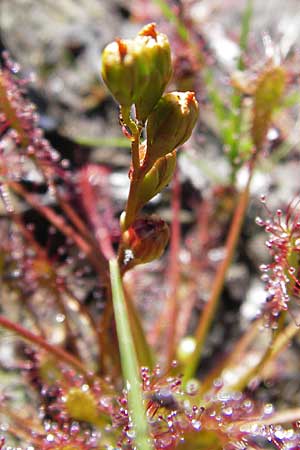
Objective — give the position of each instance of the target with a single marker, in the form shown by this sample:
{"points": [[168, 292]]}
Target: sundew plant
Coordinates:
{"points": [[108, 312]]}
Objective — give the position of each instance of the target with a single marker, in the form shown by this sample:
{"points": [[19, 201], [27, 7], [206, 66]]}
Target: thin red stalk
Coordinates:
{"points": [[203, 224], [70, 213], [42, 255], [93, 254], [35, 318], [102, 235], [108, 339], [28, 236], [74, 218], [27, 424], [170, 309], [186, 310], [198, 262], [218, 284], [85, 312], [60, 223], [15, 430], [58, 352], [71, 340]]}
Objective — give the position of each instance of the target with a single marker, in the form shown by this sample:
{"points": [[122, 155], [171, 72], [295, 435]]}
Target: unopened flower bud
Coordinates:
{"points": [[157, 56], [156, 179], [124, 71], [269, 90], [170, 124], [144, 241]]}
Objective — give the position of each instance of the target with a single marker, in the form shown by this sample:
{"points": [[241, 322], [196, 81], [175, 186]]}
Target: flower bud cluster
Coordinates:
{"points": [[137, 71]]}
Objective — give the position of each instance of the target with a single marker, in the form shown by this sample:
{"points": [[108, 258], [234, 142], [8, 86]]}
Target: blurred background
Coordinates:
{"points": [[60, 44]]}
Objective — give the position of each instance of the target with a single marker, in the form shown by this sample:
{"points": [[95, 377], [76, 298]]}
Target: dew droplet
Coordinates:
{"points": [[227, 411], [196, 424], [60, 318], [268, 408], [218, 382], [265, 278], [65, 163], [264, 267], [50, 438], [130, 433], [263, 198], [259, 221]]}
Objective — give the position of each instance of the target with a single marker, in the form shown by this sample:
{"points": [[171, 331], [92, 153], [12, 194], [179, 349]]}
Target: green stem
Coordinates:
{"points": [[131, 209], [218, 284], [143, 350], [132, 381]]}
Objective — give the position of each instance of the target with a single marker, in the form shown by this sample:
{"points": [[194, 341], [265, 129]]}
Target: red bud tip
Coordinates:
{"points": [[122, 48], [190, 97], [149, 30]]}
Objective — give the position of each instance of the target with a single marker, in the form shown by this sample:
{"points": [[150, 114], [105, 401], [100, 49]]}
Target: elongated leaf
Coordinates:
{"points": [[132, 382]]}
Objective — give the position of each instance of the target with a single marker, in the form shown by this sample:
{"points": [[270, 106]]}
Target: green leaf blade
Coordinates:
{"points": [[129, 362]]}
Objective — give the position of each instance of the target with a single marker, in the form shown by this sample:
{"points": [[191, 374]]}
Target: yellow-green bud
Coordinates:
{"points": [[268, 92], [145, 239], [170, 124], [157, 56], [82, 405], [124, 70], [156, 179]]}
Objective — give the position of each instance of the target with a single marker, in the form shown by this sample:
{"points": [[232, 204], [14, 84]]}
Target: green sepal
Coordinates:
{"points": [[156, 179], [124, 71], [157, 56], [170, 124]]}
